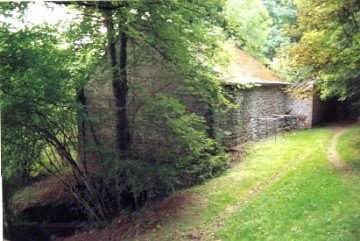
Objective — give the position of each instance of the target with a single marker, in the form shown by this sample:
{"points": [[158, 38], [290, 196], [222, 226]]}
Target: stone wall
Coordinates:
{"points": [[148, 77], [301, 107], [312, 108], [245, 122]]}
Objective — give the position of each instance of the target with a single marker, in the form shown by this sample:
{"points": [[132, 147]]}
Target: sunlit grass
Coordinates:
{"points": [[283, 190], [348, 147], [308, 200], [311, 202]]}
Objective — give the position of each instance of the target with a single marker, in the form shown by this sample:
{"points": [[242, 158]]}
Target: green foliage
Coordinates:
{"points": [[258, 26], [201, 158], [186, 36], [143, 180], [11, 9], [328, 46], [19, 165], [249, 22], [45, 68], [193, 155], [34, 93], [41, 74], [283, 16]]}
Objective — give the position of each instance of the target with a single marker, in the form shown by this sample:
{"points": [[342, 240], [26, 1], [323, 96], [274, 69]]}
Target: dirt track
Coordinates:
{"points": [[333, 156]]}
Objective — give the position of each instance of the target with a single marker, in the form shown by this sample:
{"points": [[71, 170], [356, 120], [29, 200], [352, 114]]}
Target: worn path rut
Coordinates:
{"points": [[333, 156]]}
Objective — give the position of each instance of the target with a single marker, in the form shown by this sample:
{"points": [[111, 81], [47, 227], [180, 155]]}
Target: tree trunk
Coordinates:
{"points": [[119, 85], [120, 89], [121, 100], [81, 99]]}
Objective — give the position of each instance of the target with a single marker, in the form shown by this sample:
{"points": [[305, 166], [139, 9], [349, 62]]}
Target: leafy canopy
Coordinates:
{"points": [[328, 46]]}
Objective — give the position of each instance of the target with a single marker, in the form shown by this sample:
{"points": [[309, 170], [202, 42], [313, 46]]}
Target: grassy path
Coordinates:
{"points": [[313, 202], [333, 156], [348, 147], [283, 190], [231, 209], [221, 208], [292, 189]]}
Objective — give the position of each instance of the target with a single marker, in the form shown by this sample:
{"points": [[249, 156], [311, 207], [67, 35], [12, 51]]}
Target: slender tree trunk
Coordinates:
{"points": [[86, 127], [121, 99], [80, 98], [120, 89], [119, 85]]}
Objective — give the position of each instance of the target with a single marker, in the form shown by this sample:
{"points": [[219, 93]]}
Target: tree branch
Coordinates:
{"points": [[103, 5]]}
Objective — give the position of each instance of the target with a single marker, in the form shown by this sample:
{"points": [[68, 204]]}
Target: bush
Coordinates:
{"points": [[193, 155]]}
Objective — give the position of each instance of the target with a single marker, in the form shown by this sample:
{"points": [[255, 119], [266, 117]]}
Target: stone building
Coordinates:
{"points": [[265, 107], [262, 103]]}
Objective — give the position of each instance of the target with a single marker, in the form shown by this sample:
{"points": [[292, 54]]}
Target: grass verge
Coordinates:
{"points": [[348, 147], [311, 202], [283, 190]]}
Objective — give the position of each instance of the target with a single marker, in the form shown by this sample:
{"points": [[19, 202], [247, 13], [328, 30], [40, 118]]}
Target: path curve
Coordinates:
{"points": [[333, 156], [250, 194]]}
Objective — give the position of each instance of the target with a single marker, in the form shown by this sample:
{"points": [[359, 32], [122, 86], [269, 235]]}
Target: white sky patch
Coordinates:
{"points": [[37, 13], [57, 15]]}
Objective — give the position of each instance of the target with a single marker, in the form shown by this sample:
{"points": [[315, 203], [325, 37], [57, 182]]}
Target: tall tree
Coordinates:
{"points": [[38, 84], [119, 79], [283, 16], [249, 22], [167, 28], [52, 67], [328, 45]]}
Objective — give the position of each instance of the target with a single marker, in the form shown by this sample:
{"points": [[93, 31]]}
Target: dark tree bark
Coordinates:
{"points": [[81, 99], [120, 90], [121, 100], [119, 85]]}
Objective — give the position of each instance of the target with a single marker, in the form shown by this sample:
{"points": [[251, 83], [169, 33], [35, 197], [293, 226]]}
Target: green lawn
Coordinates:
{"points": [[348, 147], [283, 190]]}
